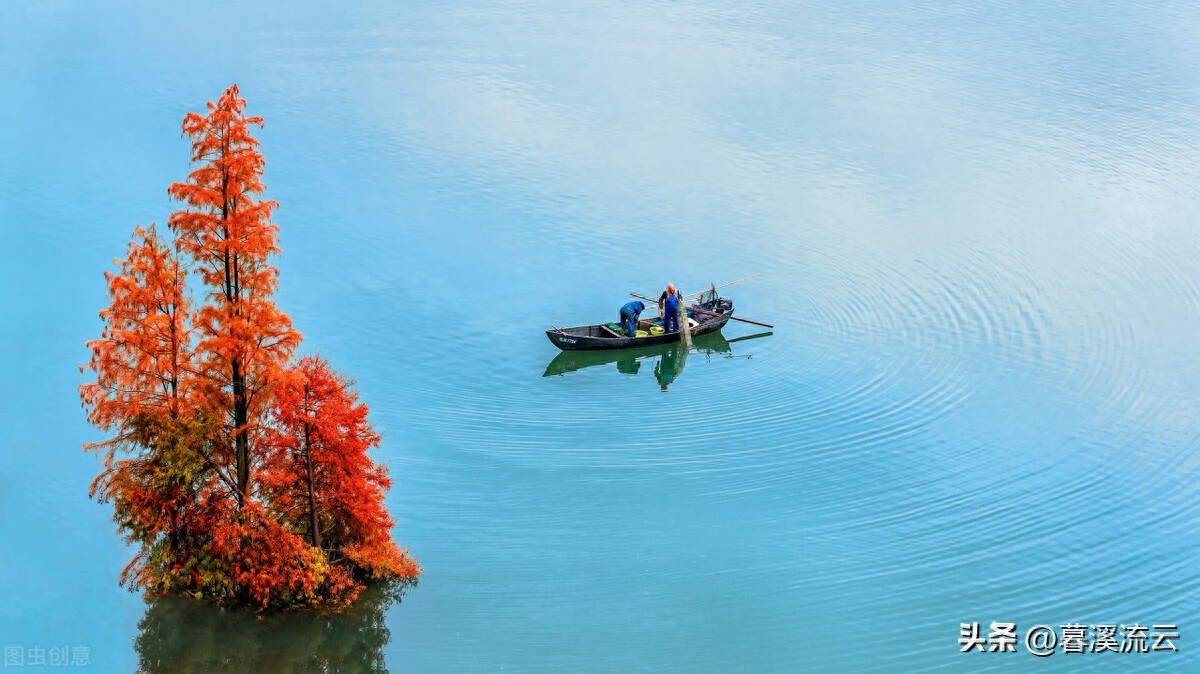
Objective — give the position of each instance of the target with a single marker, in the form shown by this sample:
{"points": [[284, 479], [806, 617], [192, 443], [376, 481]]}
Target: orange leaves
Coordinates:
{"points": [[224, 227], [142, 360], [319, 474], [264, 562], [380, 558]]}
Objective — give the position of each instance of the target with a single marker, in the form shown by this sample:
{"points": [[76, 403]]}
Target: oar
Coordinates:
{"points": [[754, 336], [736, 318], [706, 311]]}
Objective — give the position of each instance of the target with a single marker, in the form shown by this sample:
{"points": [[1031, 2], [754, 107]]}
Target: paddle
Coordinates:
{"points": [[754, 336], [710, 313], [701, 310]]}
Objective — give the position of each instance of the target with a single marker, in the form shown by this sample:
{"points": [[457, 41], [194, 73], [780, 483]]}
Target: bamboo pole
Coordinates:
{"points": [[697, 294], [711, 313]]}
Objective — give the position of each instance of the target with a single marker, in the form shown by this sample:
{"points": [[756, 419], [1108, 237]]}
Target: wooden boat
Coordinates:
{"points": [[710, 317]]}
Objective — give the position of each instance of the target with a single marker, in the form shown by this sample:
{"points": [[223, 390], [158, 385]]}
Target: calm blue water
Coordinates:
{"points": [[975, 229]]}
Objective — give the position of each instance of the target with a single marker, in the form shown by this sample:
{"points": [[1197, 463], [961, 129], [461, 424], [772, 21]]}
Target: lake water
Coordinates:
{"points": [[975, 225]]}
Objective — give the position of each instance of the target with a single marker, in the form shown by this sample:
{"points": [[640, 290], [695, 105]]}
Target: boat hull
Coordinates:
{"points": [[594, 337]]}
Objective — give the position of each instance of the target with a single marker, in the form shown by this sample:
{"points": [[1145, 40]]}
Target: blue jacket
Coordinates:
{"points": [[633, 308], [671, 307]]}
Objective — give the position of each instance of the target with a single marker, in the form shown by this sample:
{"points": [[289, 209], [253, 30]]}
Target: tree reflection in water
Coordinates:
{"points": [[184, 635]]}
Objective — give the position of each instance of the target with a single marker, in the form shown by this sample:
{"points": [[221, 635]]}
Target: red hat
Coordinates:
{"points": [[670, 287]]}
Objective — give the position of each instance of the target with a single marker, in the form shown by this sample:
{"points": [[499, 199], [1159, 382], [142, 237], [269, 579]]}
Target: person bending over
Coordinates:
{"points": [[629, 317]]}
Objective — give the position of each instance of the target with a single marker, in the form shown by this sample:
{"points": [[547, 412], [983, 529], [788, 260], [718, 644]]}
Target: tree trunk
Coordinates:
{"points": [[241, 437], [312, 498]]}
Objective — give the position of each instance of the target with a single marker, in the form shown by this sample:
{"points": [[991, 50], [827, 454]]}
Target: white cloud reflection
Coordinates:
{"points": [[1055, 151]]}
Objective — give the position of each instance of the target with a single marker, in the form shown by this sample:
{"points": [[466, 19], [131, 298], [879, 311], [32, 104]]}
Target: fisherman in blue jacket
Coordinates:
{"points": [[629, 316], [671, 311]]}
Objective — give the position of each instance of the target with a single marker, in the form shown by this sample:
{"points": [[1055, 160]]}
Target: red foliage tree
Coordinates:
{"points": [[244, 338], [318, 477], [143, 395], [188, 396], [143, 357]]}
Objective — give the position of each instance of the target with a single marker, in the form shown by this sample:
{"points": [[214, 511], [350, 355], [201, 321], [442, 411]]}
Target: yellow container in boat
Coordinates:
{"points": [[656, 329], [642, 333]]}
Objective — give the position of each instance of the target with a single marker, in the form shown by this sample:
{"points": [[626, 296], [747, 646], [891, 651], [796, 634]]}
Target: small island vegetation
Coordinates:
{"points": [[238, 471]]}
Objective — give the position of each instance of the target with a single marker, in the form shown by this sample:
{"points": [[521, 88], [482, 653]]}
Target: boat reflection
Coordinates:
{"points": [[183, 635], [668, 359]]}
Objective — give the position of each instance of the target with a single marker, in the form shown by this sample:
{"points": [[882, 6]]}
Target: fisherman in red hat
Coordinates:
{"points": [[662, 299], [668, 308]]}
